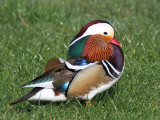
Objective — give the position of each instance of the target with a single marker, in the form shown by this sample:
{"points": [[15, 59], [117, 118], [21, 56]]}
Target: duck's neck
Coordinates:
{"points": [[117, 59]]}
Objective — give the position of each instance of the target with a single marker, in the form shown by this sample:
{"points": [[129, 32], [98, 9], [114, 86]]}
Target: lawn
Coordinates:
{"points": [[32, 32]]}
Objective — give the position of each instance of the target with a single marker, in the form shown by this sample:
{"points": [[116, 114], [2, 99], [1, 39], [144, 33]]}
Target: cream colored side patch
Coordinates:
{"points": [[86, 80]]}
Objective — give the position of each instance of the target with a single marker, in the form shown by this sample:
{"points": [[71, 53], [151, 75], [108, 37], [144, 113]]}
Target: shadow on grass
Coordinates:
{"points": [[31, 106], [109, 93]]}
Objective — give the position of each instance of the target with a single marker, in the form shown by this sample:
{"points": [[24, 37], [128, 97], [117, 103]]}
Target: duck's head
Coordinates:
{"points": [[94, 41]]}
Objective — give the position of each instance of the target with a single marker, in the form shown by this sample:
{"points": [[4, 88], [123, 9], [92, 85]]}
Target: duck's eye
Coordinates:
{"points": [[105, 33]]}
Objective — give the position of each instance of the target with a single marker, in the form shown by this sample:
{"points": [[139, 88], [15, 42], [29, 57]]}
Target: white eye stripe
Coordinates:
{"points": [[98, 28]]}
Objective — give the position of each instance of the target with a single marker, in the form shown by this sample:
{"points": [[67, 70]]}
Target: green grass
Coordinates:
{"points": [[32, 32]]}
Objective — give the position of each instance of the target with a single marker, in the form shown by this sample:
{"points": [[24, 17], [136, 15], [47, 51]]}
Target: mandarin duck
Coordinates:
{"points": [[95, 62]]}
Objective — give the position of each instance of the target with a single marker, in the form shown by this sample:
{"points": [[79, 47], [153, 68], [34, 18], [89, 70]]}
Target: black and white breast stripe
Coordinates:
{"points": [[110, 70], [77, 67]]}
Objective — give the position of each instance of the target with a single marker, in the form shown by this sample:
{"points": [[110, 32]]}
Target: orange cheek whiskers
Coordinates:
{"points": [[96, 49]]}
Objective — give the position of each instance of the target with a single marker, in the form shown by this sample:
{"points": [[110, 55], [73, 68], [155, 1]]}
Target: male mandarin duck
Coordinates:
{"points": [[95, 62]]}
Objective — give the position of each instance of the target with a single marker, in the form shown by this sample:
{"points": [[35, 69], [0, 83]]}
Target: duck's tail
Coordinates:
{"points": [[27, 96], [42, 94]]}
